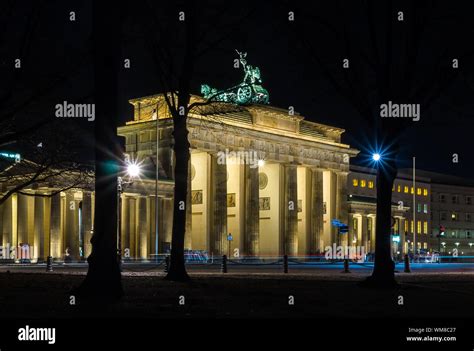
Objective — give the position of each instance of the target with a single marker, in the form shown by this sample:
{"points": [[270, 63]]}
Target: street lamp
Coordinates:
{"points": [[133, 171], [376, 157]]}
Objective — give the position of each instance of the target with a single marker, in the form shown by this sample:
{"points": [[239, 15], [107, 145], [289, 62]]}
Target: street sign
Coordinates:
{"points": [[229, 237], [343, 229]]}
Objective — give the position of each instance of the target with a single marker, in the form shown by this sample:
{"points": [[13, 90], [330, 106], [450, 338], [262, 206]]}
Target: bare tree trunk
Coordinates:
{"points": [[103, 277], [383, 274], [177, 269]]}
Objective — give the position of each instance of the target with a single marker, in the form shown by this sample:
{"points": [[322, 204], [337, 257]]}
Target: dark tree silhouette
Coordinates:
{"points": [[387, 46], [103, 278], [176, 51]]}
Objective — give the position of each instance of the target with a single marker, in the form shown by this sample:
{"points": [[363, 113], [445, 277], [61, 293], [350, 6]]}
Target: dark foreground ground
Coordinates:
{"points": [[259, 295], [335, 309]]}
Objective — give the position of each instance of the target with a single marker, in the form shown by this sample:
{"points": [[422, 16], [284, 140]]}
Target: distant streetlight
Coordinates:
{"points": [[376, 157], [133, 171]]}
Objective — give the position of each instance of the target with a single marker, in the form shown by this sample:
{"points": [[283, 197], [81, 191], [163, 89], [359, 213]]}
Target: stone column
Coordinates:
{"points": [[341, 201], [189, 211], [39, 224], [364, 232], [72, 225], [23, 219], [55, 231], [290, 244], [142, 244], [252, 212], [218, 242], [86, 223], [316, 211]]}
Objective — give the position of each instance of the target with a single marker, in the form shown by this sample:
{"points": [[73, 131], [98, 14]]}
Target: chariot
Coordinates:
{"points": [[250, 91]]}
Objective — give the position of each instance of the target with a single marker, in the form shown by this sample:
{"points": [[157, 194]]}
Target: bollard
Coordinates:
{"points": [[167, 264], [224, 264], [49, 264], [346, 266], [285, 263], [407, 264]]}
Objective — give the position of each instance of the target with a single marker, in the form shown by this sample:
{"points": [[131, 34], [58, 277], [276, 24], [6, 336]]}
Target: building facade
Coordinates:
{"points": [[266, 178]]}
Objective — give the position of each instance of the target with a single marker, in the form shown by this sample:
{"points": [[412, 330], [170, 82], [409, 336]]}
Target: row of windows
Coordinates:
{"points": [[363, 183], [455, 216], [406, 189], [418, 226], [455, 199], [422, 206]]}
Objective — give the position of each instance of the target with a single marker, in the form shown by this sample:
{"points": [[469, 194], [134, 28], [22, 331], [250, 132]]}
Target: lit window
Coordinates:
{"points": [[411, 226], [371, 184], [355, 182], [425, 192], [418, 227], [453, 216], [405, 189], [406, 226], [425, 245], [425, 208], [425, 227], [363, 183], [399, 188], [412, 191], [418, 208], [418, 191]]}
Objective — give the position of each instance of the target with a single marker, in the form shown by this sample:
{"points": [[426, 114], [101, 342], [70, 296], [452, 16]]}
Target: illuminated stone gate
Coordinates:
{"points": [[283, 180]]}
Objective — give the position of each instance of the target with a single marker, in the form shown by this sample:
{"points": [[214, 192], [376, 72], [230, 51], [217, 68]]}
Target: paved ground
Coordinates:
{"points": [[247, 291], [431, 296]]}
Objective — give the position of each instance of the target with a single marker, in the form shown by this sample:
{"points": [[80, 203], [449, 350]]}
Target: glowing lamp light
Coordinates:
{"points": [[261, 163], [133, 170], [376, 157]]}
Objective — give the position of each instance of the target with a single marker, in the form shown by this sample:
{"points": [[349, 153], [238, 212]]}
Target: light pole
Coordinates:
{"points": [[156, 187], [133, 171]]}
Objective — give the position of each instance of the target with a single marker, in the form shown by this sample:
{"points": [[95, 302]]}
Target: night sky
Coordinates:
{"points": [[57, 66]]}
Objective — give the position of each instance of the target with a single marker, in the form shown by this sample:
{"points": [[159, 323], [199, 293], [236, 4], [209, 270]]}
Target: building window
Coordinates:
{"points": [[363, 183], [412, 191], [468, 234], [468, 217], [405, 189], [425, 192], [468, 200], [411, 226], [442, 198], [418, 191], [425, 208], [425, 245], [454, 216], [454, 199], [355, 182], [406, 226], [425, 227], [371, 184], [418, 227], [418, 207], [443, 216], [399, 188]]}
